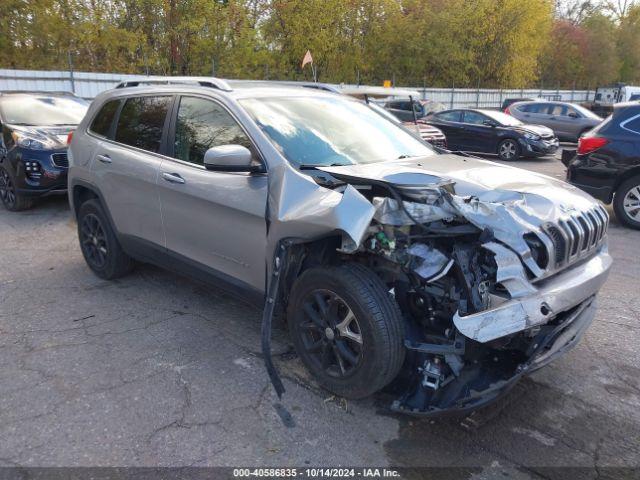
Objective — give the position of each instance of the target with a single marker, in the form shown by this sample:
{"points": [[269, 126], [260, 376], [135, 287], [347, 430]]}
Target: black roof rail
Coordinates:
{"points": [[210, 82]]}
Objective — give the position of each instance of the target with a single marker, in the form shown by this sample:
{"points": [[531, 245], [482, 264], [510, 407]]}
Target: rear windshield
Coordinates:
{"points": [[586, 112], [42, 110]]}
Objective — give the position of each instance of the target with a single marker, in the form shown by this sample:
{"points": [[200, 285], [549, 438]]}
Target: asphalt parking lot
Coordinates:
{"points": [[157, 370]]}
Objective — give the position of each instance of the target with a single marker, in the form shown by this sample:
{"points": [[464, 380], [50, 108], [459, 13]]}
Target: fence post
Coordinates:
{"points": [[478, 95], [73, 82], [500, 99], [453, 92]]}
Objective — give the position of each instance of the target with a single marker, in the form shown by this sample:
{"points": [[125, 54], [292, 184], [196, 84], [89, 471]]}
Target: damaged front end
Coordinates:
{"points": [[489, 291], [495, 276]]}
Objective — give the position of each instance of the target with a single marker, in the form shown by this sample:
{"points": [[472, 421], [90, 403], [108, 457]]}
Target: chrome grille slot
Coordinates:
{"points": [[585, 235], [596, 225], [576, 235]]}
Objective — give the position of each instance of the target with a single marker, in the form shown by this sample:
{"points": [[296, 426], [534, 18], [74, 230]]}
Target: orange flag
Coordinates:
{"points": [[307, 59]]}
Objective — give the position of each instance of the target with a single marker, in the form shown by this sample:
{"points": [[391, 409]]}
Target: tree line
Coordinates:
{"points": [[464, 43]]}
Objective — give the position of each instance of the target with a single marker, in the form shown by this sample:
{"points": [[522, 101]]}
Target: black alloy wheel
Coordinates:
{"points": [[346, 328], [93, 241], [331, 334], [7, 189]]}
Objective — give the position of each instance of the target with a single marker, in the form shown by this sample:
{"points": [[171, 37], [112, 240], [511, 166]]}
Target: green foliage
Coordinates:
{"points": [[466, 43]]}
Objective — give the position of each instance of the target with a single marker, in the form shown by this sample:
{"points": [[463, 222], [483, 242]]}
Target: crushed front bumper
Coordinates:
{"points": [[507, 342], [487, 381], [540, 147], [552, 296]]}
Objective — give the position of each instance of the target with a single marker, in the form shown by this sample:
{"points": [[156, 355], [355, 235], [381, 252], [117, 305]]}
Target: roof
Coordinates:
{"points": [[37, 92], [379, 92]]}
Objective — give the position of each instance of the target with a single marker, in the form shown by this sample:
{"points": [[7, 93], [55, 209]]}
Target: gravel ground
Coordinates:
{"points": [[157, 370]]}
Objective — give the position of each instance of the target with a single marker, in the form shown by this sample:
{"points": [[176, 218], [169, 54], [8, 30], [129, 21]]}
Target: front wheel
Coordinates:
{"points": [[626, 203], [508, 150], [11, 199], [347, 329]]}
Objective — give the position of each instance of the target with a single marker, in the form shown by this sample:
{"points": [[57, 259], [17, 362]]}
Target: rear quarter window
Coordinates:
{"points": [[102, 122], [449, 116], [141, 122], [632, 124]]}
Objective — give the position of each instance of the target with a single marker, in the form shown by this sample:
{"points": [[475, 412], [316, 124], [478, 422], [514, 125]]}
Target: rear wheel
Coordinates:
{"points": [[346, 329], [626, 203], [509, 150], [99, 245], [10, 198]]}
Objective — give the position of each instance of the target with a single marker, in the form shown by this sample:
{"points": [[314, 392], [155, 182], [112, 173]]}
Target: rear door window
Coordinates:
{"points": [[558, 110], [202, 124], [141, 122], [474, 118], [102, 122], [452, 116], [530, 107]]}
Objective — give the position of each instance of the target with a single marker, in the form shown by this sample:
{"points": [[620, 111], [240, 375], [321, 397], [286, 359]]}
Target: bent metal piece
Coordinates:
{"points": [[553, 296]]}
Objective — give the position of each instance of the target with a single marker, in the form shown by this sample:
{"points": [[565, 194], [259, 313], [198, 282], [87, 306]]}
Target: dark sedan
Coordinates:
{"points": [[33, 145], [607, 164], [493, 132]]}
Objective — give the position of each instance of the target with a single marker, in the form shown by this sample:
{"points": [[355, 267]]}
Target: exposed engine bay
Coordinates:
{"points": [[489, 288]]}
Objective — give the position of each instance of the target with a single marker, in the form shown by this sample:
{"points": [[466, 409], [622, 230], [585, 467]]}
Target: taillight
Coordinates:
{"points": [[507, 111], [590, 144], [69, 137]]}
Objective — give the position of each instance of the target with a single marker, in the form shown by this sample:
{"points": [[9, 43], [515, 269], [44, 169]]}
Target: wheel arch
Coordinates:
{"points": [[508, 136], [624, 176], [81, 191]]}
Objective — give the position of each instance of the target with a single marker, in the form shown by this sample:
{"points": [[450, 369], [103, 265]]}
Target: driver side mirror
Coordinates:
{"points": [[572, 115], [490, 123], [231, 158]]}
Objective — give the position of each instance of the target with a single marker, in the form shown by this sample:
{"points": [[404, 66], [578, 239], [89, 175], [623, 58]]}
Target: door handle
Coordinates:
{"points": [[172, 177], [104, 158]]}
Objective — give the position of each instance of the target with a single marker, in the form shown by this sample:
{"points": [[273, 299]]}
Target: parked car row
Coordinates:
{"points": [[439, 277]]}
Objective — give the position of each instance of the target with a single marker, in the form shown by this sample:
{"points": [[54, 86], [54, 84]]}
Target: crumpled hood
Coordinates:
{"points": [[537, 129], [509, 201], [470, 177]]}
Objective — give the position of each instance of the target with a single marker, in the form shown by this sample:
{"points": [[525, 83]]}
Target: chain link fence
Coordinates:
{"points": [[88, 85]]}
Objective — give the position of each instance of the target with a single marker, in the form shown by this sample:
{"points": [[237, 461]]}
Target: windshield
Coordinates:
{"points": [[321, 131], [586, 112], [42, 110], [502, 118]]}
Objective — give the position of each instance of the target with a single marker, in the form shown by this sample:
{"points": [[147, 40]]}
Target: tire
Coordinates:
{"points": [[10, 199], [99, 245], [509, 150], [625, 201], [328, 344]]}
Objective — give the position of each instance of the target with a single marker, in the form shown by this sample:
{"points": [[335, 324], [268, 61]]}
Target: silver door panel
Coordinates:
{"points": [[216, 219], [127, 179]]}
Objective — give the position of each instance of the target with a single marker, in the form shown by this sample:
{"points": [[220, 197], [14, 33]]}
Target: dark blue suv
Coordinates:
{"points": [[33, 144]]}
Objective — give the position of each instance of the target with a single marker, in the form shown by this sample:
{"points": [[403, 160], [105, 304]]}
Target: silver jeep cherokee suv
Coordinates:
{"points": [[441, 277]]}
